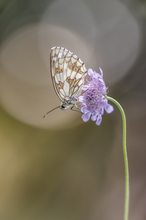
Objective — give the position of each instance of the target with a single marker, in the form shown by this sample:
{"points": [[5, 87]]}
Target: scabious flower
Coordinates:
{"points": [[92, 101]]}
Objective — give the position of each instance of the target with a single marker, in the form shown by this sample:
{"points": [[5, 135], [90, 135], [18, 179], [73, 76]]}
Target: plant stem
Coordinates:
{"points": [[125, 156]]}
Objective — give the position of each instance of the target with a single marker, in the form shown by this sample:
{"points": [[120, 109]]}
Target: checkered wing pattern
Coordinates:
{"points": [[67, 71]]}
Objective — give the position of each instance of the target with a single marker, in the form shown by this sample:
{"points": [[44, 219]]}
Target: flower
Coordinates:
{"points": [[93, 101]]}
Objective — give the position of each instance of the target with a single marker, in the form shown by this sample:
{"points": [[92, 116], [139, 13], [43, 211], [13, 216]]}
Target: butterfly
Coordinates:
{"points": [[67, 72]]}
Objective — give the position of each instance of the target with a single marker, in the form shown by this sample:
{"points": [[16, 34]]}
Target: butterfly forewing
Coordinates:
{"points": [[67, 72]]}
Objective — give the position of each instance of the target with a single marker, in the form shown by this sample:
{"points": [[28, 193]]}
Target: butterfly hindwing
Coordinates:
{"points": [[67, 72]]}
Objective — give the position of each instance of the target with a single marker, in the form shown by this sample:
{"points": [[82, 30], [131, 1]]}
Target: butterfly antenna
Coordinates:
{"points": [[50, 111]]}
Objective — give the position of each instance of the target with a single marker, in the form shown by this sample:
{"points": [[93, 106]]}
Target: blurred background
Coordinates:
{"points": [[58, 168]]}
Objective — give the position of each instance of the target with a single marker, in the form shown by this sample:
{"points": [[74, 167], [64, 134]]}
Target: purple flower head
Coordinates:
{"points": [[93, 101]]}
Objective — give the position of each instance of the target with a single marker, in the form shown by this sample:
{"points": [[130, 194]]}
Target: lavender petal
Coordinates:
{"points": [[90, 72], [99, 119], [84, 109], [93, 117], [81, 98], [86, 116], [109, 108]]}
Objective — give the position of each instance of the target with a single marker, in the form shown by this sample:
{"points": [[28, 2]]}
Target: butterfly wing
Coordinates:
{"points": [[67, 71]]}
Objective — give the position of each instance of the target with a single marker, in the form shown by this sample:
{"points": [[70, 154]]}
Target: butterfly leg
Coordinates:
{"points": [[75, 109]]}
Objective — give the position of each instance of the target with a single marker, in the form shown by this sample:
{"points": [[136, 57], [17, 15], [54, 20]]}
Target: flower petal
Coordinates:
{"points": [[109, 108], [86, 116], [99, 120], [85, 87], [101, 111], [96, 76], [90, 72], [94, 117], [81, 98], [84, 109]]}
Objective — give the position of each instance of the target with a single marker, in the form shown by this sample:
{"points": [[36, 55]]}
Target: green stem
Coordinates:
{"points": [[126, 168]]}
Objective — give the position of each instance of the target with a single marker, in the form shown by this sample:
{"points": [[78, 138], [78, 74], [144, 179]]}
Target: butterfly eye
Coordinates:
{"points": [[62, 106]]}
